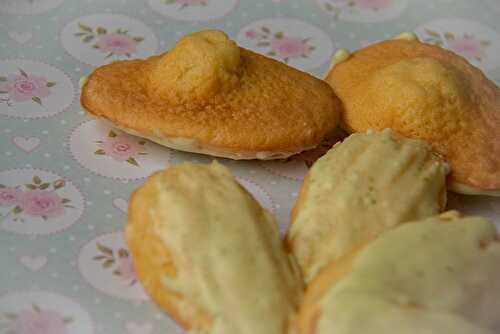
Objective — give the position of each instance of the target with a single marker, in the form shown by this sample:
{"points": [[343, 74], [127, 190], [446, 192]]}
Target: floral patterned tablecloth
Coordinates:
{"points": [[65, 178]]}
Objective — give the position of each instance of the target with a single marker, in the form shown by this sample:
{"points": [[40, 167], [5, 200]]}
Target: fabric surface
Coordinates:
{"points": [[65, 178]]}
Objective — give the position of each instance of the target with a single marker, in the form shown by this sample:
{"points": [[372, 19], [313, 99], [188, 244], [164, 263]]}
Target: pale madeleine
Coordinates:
{"points": [[209, 254], [440, 275], [425, 92], [362, 187]]}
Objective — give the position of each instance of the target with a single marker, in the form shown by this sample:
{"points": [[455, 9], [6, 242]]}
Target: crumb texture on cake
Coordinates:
{"points": [[423, 91], [362, 187], [438, 275], [210, 90], [198, 238]]}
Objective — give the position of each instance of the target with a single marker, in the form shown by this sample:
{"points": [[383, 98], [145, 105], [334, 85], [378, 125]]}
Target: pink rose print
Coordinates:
{"points": [[121, 148], [126, 269], [10, 196], [186, 3], [251, 34], [121, 258], [43, 203], [37, 321], [280, 45], [23, 87], [373, 4], [113, 43], [290, 47], [466, 46], [39, 199]]}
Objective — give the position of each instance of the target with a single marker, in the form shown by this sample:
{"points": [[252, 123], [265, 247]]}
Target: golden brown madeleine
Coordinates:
{"points": [[362, 187], [436, 276], [209, 254], [426, 92], [207, 95]]}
